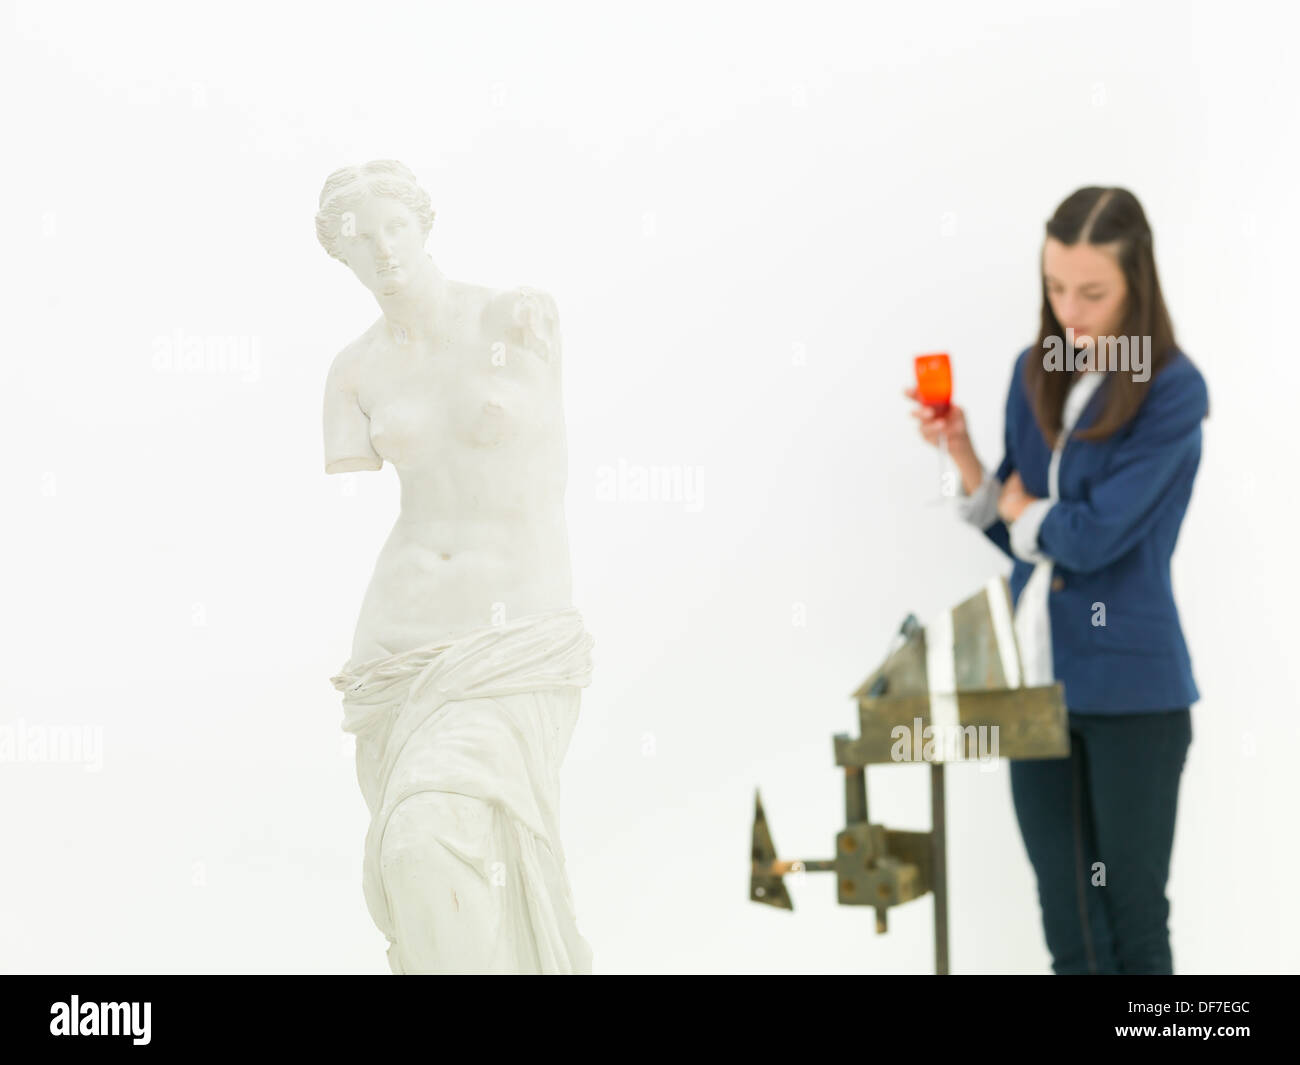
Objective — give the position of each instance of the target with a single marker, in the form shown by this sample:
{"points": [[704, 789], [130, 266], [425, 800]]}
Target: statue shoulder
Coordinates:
{"points": [[346, 368], [526, 317]]}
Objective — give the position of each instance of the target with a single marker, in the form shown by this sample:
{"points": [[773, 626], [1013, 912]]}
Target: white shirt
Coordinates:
{"points": [[1033, 619]]}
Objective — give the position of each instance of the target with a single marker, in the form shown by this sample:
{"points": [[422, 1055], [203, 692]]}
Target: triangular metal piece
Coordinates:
{"points": [[768, 889]]}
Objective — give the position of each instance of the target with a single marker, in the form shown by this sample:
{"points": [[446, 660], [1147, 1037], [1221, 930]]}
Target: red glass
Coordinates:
{"points": [[934, 381]]}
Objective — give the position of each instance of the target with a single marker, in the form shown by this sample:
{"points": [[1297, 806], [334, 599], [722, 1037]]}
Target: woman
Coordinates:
{"points": [[463, 684], [1102, 443]]}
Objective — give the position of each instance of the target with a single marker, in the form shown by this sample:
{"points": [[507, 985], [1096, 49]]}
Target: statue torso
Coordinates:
{"points": [[471, 417]]}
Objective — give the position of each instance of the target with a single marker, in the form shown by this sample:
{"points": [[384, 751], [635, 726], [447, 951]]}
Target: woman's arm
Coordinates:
{"points": [[1085, 535], [983, 508], [980, 507], [977, 500]]}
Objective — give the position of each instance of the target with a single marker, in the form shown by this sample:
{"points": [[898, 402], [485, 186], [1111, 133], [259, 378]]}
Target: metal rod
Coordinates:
{"points": [[793, 865], [940, 869], [855, 795]]}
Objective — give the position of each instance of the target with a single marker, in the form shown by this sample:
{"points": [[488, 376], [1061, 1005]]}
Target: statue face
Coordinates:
{"points": [[382, 242]]}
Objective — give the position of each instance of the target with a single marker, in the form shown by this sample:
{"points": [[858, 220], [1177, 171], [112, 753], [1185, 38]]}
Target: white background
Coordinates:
{"points": [[751, 217]]}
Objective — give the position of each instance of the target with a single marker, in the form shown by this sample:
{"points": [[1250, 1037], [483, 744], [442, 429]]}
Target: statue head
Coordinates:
{"points": [[375, 218]]}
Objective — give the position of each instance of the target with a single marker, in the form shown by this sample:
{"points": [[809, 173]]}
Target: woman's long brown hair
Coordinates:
{"points": [[1103, 216]]}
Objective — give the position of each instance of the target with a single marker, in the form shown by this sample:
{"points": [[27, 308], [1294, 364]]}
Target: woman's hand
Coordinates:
{"points": [[1013, 499], [952, 424]]}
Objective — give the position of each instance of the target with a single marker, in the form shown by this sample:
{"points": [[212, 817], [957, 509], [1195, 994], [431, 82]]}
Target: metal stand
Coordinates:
{"points": [[883, 867], [939, 852]]}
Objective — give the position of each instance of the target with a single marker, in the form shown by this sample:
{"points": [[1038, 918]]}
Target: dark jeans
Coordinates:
{"points": [[1112, 801]]}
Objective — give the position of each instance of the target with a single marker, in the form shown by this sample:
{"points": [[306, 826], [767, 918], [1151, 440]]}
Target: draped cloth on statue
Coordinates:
{"points": [[477, 726]]}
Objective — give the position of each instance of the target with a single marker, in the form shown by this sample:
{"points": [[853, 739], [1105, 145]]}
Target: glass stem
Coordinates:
{"points": [[943, 461]]}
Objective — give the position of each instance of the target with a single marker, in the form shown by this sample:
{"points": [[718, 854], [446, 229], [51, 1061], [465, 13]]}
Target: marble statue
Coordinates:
{"points": [[469, 657]]}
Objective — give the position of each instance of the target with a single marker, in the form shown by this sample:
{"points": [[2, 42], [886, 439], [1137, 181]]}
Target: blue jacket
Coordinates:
{"points": [[1110, 537]]}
